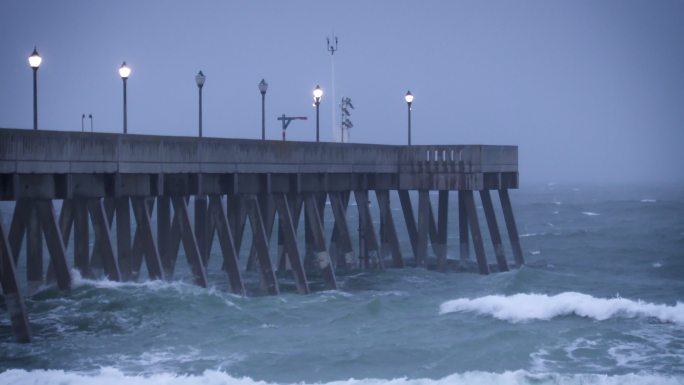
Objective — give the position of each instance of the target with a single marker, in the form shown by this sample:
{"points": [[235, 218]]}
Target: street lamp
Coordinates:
{"points": [[34, 62], [263, 86], [317, 93], [124, 72], [409, 99], [200, 78]]}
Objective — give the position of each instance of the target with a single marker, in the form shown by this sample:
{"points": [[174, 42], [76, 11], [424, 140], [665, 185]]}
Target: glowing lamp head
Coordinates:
{"points": [[35, 59], [263, 86], [124, 71], [408, 97], [200, 78], [317, 93]]}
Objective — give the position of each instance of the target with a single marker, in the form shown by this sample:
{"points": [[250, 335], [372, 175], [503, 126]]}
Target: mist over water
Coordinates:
{"points": [[600, 300]]}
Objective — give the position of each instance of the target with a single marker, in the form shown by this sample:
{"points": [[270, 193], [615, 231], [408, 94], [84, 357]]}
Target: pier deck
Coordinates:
{"points": [[108, 181]]}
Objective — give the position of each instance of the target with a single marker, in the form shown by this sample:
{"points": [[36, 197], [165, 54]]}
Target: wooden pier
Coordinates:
{"points": [[109, 181]]}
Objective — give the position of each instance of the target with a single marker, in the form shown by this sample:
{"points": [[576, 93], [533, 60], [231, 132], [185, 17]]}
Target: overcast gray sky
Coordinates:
{"points": [[590, 91]]}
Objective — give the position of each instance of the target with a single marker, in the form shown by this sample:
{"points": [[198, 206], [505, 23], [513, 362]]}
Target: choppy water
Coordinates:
{"points": [[601, 300]]}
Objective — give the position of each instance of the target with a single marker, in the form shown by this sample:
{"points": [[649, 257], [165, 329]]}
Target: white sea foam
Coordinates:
{"points": [[648, 200], [527, 307], [590, 213], [111, 376]]}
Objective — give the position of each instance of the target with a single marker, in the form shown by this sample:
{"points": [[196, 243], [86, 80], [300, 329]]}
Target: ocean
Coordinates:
{"points": [[600, 300]]}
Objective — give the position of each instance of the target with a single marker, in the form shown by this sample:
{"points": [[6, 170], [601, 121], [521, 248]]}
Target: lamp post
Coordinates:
{"points": [[263, 86], [317, 93], [200, 78], [124, 72], [34, 62], [409, 99]]}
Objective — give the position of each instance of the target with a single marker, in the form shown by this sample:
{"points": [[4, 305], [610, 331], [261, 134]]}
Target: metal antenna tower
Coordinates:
{"points": [[332, 48]]}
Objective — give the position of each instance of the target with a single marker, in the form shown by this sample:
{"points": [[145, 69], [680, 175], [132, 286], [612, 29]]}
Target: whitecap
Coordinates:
{"points": [[648, 200], [657, 264], [590, 213], [528, 235], [112, 376], [535, 252], [527, 307]]}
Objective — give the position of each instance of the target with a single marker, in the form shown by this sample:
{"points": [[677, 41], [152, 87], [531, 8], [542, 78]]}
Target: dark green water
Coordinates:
{"points": [[600, 300]]}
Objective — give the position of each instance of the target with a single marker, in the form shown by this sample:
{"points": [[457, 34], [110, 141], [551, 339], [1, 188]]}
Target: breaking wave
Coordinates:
{"points": [[111, 376], [527, 307]]}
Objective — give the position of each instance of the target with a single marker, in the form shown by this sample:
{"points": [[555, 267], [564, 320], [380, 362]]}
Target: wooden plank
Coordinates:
{"points": [[259, 235], [10, 289], [103, 239], [55, 244], [141, 211], [510, 225], [319, 245], [187, 236], [290, 242], [474, 226], [225, 236], [388, 227]]}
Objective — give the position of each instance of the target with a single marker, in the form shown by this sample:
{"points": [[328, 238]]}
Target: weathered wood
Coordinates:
{"points": [[141, 210], [103, 239], [123, 237], [81, 236], [187, 236], [34, 251], [510, 225], [319, 244], [366, 229], [290, 242], [225, 236], [463, 228], [474, 226], [55, 244], [422, 227], [389, 230], [493, 230], [10, 291], [256, 220], [409, 219], [341, 235], [163, 234]]}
